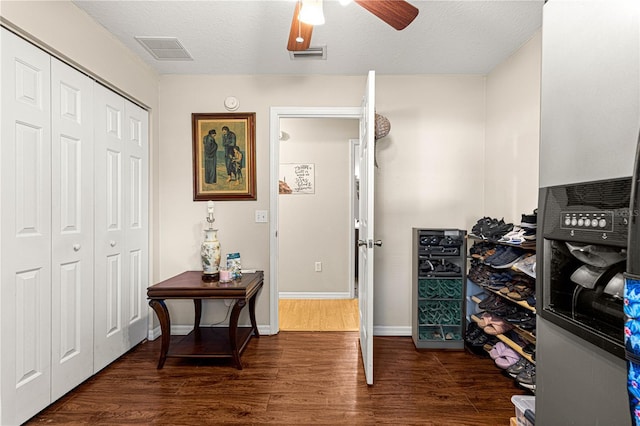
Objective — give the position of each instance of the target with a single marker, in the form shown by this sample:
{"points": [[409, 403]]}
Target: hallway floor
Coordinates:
{"points": [[318, 314], [294, 378]]}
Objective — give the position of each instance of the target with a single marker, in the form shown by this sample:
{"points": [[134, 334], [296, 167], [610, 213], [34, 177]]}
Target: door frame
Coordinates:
{"points": [[275, 114]]}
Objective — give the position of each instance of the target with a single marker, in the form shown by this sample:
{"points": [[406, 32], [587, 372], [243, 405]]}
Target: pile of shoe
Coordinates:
{"points": [[439, 312], [439, 246], [438, 268], [527, 265], [478, 341], [524, 372], [493, 324], [491, 229], [505, 257], [529, 224], [504, 356], [525, 233], [497, 256], [515, 365], [507, 282]]}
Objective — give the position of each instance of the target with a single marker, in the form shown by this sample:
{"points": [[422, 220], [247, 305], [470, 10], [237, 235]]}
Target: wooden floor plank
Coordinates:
{"points": [[318, 314], [294, 378]]}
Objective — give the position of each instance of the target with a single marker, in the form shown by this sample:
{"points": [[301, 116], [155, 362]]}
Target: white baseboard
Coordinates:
{"points": [[382, 330], [313, 295]]}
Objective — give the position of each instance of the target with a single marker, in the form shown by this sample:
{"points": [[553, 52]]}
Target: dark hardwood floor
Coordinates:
{"points": [[294, 378]]}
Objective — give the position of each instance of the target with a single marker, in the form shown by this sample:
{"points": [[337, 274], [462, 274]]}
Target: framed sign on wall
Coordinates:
{"points": [[224, 160], [297, 178]]}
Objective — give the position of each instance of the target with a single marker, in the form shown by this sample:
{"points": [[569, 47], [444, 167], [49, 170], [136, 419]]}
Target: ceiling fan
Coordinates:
{"points": [[397, 13]]}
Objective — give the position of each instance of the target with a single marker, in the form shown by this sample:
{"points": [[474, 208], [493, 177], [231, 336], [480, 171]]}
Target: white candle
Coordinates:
{"points": [[210, 207]]}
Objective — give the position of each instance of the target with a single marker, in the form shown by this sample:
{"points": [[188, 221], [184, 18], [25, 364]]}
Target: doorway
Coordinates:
{"points": [[316, 228], [280, 118]]}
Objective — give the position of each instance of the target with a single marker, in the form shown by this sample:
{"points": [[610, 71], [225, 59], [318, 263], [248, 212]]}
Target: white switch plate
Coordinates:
{"points": [[262, 216], [318, 266]]}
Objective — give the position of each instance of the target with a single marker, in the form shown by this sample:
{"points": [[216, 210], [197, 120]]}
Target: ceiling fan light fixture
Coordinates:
{"points": [[311, 12]]}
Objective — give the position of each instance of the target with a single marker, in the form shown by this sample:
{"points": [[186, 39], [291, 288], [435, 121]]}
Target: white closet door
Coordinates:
{"points": [[72, 228], [25, 231], [136, 194], [121, 248]]}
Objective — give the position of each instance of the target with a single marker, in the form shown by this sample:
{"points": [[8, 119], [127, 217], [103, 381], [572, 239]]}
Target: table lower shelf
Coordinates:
{"points": [[208, 342]]}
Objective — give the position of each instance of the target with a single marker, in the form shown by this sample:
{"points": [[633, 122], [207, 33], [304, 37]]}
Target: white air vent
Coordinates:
{"points": [[318, 52], [165, 48]]}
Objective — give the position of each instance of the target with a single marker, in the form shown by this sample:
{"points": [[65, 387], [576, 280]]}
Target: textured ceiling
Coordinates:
{"points": [[250, 37]]}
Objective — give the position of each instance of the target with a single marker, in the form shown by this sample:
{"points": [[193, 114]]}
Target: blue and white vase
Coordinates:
{"points": [[210, 253]]}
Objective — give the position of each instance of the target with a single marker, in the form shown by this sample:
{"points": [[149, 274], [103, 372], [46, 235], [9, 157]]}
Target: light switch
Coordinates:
{"points": [[262, 216]]}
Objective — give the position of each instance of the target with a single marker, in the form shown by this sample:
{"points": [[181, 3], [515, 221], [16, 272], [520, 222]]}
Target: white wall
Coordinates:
{"points": [[513, 134], [317, 227], [430, 176], [430, 172]]}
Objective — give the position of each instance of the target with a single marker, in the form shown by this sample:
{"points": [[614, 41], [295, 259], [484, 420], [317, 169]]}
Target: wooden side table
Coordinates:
{"points": [[206, 342]]}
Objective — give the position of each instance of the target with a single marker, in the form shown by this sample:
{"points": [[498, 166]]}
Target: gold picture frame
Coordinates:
{"points": [[224, 159]]}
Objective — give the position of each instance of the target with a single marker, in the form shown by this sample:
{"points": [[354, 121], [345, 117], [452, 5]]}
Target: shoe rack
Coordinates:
{"points": [[487, 292], [438, 288]]}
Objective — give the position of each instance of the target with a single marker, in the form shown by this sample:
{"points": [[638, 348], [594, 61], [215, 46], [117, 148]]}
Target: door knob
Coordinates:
{"points": [[112, 243], [361, 243], [378, 243], [76, 247]]}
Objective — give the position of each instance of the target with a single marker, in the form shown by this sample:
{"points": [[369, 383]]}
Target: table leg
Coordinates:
{"points": [[233, 331], [252, 315], [197, 305], [165, 326]]}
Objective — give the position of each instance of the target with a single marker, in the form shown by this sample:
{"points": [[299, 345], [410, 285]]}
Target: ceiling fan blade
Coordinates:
{"points": [[397, 13], [299, 29]]}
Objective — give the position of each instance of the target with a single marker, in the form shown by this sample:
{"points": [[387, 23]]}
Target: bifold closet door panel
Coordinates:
{"points": [[121, 228], [72, 228], [25, 230], [136, 193]]}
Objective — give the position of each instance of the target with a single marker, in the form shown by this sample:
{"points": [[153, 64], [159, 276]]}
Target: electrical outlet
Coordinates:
{"points": [[261, 216], [318, 266]]}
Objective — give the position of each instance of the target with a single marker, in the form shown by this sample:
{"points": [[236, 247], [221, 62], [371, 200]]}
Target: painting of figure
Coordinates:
{"points": [[224, 156]]}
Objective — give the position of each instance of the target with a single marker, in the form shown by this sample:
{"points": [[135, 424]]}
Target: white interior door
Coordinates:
{"points": [[25, 228], [121, 228], [72, 228], [110, 262], [136, 196], [366, 241]]}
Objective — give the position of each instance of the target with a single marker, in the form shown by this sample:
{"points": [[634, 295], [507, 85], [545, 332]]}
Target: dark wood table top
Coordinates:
{"points": [[189, 285]]}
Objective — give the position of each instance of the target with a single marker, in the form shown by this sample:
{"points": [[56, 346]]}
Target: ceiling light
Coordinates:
{"points": [[345, 2], [311, 12]]}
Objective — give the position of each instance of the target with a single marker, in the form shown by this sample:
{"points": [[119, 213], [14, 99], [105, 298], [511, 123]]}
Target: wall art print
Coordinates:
{"points": [[224, 159], [297, 178]]}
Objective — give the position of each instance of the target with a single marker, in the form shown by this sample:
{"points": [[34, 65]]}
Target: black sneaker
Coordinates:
{"points": [[450, 242], [518, 367], [497, 229], [429, 241], [527, 377], [530, 220]]}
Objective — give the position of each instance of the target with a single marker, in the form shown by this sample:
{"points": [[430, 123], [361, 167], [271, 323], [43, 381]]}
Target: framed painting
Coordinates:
{"points": [[224, 156]]}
